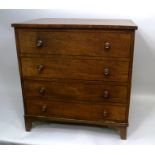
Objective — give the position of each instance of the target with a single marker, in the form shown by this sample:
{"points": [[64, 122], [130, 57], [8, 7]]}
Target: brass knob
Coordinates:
{"points": [[39, 43], [44, 108], [40, 68], [106, 71], [42, 90], [105, 113], [107, 45], [106, 94]]}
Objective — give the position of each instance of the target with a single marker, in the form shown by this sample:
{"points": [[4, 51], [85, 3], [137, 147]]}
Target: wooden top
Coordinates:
{"points": [[77, 23]]}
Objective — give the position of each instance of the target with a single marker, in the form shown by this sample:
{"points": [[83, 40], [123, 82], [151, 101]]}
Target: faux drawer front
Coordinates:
{"points": [[75, 42], [75, 91], [92, 112], [55, 67]]}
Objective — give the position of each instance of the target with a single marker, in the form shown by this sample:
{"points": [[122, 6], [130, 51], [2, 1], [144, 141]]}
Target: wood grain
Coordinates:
{"points": [[70, 23], [81, 111], [75, 91], [75, 42], [55, 67], [76, 70]]}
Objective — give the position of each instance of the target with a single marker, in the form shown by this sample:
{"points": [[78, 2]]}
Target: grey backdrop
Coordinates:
{"points": [[143, 80]]}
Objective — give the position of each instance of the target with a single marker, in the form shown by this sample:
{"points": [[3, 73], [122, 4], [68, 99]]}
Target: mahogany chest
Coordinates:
{"points": [[76, 70]]}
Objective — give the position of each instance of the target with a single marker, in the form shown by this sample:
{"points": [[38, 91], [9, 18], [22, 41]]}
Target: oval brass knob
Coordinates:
{"points": [[105, 113], [106, 71], [44, 108], [42, 90], [39, 43], [107, 45], [40, 68], [106, 94]]}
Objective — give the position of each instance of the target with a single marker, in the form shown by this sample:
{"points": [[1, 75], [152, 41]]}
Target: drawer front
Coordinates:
{"points": [[75, 91], [75, 42], [56, 67], [93, 112]]}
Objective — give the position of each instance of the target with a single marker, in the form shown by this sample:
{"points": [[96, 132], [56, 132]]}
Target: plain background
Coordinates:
{"points": [[142, 122]]}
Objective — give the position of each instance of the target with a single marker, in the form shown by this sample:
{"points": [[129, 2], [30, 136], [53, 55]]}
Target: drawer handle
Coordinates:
{"points": [[44, 108], [105, 113], [39, 43], [40, 68], [106, 71], [107, 45], [106, 94], [42, 90]]}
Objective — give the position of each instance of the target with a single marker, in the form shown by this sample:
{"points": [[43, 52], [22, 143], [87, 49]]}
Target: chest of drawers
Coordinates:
{"points": [[76, 70]]}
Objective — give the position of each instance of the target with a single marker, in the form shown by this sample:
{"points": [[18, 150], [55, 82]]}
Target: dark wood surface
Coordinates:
{"points": [[56, 67], [80, 111], [75, 42], [76, 70], [78, 23], [76, 91]]}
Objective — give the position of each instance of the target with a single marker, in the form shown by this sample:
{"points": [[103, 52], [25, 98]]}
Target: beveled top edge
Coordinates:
{"points": [[77, 23]]}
